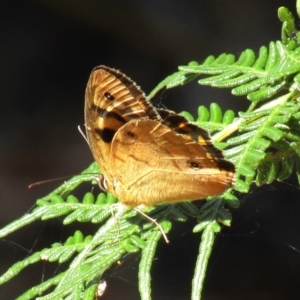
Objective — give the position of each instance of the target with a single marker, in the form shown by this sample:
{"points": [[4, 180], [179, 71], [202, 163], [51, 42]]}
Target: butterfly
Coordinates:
{"points": [[147, 155]]}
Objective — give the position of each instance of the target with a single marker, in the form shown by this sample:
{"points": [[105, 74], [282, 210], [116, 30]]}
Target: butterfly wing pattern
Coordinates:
{"points": [[111, 100], [149, 156]]}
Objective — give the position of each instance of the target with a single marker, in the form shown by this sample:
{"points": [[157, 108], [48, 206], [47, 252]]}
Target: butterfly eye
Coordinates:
{"points": [[109, 96], [102, 183], [194, 164]]}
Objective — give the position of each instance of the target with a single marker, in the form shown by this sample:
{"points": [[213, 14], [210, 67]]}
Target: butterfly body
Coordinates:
{"points": [[149, 156]]}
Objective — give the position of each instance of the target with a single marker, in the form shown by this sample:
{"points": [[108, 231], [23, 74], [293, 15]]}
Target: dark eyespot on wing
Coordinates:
{"points": [[105, 134], [131, 134], [194, 164], [109, 96]]}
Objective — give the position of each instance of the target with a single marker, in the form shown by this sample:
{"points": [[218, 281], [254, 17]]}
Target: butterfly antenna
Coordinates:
{"points": [[154, 222], [62, 178], [82, 133], [49, 180]]}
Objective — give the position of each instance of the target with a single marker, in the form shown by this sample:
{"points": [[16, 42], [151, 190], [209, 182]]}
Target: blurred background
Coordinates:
{"points": [[48, 49]]}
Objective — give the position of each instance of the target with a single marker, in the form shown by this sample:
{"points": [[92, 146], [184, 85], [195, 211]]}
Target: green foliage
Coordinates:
{"points": [[122, 231], [263, 143]]}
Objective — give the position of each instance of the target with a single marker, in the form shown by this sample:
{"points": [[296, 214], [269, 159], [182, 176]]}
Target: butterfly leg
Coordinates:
{"points": [[112, 207], [154, 222]]}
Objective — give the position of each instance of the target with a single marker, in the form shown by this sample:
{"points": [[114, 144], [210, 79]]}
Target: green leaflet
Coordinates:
{"points": [[258, 78]]}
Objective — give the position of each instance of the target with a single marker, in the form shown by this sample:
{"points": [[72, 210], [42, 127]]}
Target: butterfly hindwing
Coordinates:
{"points": [[152, 163]]}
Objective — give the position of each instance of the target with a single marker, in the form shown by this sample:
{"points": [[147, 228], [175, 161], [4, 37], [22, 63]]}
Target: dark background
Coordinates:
{"points": [[48, 49]]}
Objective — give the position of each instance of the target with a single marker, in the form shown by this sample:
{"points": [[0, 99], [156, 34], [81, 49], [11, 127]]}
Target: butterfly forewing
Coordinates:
{"points": [[111, 100]]}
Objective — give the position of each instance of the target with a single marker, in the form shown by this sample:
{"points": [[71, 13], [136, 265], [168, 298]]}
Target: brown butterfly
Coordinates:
{"points": [[148, 156]]}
